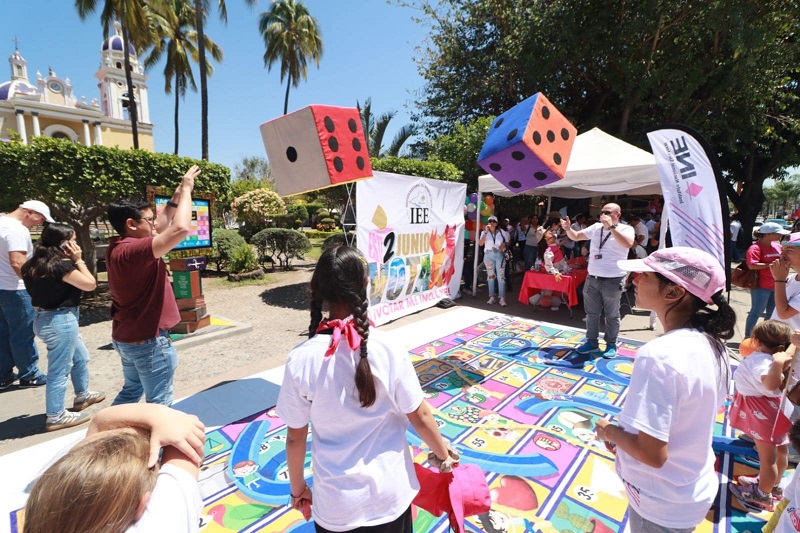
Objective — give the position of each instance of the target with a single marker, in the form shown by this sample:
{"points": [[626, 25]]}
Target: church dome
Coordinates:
{"points": [[13, 88], [115, 44]]}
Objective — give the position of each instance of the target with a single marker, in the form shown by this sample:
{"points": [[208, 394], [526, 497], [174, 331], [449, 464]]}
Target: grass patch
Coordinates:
{"points": [[223, 283]]}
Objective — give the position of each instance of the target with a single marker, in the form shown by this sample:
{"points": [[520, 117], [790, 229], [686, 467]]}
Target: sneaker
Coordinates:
{"points": [[503, 302], [90, 398], [751, 497], [588, 347], [35, 382], [66, 420], [573, 360], [491, 300], [752, 481], [609, 353], [7, 381]]}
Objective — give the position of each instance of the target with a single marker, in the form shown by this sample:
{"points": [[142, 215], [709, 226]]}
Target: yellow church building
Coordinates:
{"points": [[49, 107]]}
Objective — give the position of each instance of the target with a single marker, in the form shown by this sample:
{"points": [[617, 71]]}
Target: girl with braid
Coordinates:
{"points": [[359, 393]]}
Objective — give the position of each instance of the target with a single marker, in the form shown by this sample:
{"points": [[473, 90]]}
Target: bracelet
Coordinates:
{"points": [[301, 492], [170, 203], [80, 262]]}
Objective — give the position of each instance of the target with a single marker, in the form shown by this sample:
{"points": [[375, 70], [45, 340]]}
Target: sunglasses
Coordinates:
{"points": [[606, 212]]}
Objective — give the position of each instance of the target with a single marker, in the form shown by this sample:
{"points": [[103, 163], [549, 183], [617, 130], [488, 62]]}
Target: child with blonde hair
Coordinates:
{"points": [[756, 410], [113, 482]]}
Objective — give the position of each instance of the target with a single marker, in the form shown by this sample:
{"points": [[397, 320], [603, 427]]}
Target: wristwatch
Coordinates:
{"points": [[613, 226]]}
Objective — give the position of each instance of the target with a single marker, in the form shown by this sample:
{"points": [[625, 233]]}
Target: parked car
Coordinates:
{"points": [[785, 224]]}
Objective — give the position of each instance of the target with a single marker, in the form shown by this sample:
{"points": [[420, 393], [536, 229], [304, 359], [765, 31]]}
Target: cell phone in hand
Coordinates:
{"points": [[64, 245]]}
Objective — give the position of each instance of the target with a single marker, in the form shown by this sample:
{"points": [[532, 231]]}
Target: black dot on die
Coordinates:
{"points": [[329, 125], [496, 167], [514, 184], [356, 145], [337, 164], [537, 137], [512, 134], [551, 136], [545, 112], [564, 133], [291, 154], [333, 144], [516, 154], [557, 158], [541, 176], [499, 121], [352, 125], [360, 163]]}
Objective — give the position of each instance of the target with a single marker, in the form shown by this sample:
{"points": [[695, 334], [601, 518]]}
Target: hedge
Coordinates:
{"points": [[440, 170]]}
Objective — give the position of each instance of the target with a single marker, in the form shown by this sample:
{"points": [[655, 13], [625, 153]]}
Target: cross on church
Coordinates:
{"points": [[16, 42]]}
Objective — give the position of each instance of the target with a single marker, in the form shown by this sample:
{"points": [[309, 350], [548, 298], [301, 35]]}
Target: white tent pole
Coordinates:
{"points": [[477, 246], [549, 202]]}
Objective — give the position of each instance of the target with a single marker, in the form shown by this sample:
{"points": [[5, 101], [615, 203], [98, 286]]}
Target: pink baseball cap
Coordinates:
{"points": [[793, 240], [695, 270]]}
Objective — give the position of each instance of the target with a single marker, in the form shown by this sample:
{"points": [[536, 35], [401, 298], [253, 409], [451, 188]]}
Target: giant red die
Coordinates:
{"points": [[529, 145], [316, 147]]}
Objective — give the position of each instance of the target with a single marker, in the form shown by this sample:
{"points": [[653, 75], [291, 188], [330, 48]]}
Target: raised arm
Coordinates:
{"points": [[80, 277], [172, 225]]}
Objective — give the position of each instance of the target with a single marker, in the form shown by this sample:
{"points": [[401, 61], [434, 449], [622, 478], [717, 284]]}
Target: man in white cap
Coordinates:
{"points": [[17, 347]]}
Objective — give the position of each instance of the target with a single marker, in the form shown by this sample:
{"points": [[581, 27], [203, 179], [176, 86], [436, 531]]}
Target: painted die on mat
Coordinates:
{"points": [[316, 147], [529, 145]]}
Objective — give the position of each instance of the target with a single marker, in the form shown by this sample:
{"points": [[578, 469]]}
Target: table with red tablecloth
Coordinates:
{"points": [[535, 281]]}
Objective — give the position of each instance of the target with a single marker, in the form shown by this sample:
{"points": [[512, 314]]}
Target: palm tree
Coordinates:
{"points": [[200, 16], [375, 129], [292, 37], [179, 39], [136, 20]]}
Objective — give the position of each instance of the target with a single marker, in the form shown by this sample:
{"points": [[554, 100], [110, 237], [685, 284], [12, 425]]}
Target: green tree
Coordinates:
{"points": [[375, 129], [200, 10], [292, 37], [461, 148], [78, 182], [178, 39], [782, 196], [137, 27], [727, 69]]}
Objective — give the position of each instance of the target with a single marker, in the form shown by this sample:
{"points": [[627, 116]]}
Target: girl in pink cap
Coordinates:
{"points": [[359, 393], [662, 438]]}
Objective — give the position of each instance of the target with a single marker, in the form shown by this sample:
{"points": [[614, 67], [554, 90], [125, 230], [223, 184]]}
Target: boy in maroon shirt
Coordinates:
{"points": [[143, 305]]}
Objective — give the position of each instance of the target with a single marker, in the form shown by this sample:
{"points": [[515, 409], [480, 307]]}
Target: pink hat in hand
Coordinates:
{"points": [[695, 270]]}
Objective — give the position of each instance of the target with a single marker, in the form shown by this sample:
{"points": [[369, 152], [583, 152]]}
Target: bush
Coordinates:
{"points": [[440, 170], [337, 239], [279, 245], [256, 207], [295, 215], [326, 224], [316, 234], [243, 259], [225, 242]]}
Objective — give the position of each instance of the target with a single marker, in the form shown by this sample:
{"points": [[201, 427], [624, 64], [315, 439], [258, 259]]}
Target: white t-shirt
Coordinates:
{"points": [[793, 299], [608, 250], [493, 241], [363, 471], [675, 391], [175, 504], [533, 235], [650, 225], [747, 377], [14, 237], [790, 518], [641, 231], [736, 227]]}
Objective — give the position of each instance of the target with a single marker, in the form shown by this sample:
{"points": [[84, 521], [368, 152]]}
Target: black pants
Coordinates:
{"points": [[401, 524]]}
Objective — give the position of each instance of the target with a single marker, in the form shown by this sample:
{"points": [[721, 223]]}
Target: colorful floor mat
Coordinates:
{"points": [[528, 425]]}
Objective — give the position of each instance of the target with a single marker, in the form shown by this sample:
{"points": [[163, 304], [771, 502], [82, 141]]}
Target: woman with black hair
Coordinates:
{"points": [[54, 276], [359, 393], [663, 436]]}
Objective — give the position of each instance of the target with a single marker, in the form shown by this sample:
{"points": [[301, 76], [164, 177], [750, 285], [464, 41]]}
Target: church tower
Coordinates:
{"points": [[113, 87]]}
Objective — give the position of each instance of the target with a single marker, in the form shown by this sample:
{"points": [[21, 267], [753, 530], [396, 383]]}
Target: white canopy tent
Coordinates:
{"points": [[599, 164]]}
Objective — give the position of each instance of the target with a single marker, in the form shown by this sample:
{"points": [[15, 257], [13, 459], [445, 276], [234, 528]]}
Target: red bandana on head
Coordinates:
{"points": [[338, 327]]}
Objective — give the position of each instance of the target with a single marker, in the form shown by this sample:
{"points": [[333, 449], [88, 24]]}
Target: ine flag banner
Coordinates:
{"points": [[411, 232], [694, 204]]}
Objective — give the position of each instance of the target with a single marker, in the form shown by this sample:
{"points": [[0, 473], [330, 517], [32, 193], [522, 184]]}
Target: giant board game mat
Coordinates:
{"points": [[528, 425]]}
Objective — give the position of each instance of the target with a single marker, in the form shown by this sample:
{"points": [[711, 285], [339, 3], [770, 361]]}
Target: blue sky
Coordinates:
{"points": [[369, 51]]}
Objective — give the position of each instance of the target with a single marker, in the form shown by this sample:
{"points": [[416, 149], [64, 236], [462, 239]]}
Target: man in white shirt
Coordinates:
{"points": [[642, 235], [17, 347], [735, 228], [610, 241]]}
